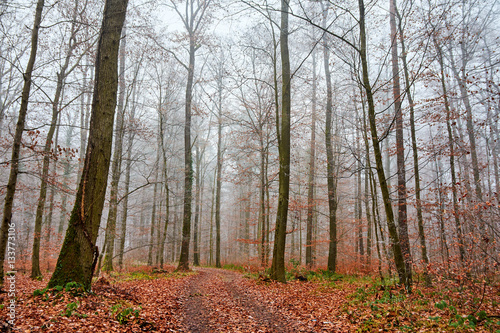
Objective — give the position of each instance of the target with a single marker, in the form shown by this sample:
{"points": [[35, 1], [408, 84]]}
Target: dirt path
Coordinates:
{"points": [[217, 300]]}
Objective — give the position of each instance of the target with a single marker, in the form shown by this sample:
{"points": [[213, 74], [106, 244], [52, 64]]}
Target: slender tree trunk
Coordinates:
{"points": [[196, 254], [416, 168], [262, 206], [451, 145], [400, 153], [50, 215], [188, 163], [116, 167], [211, 239], [359, 205], [278, 263], [218, 190], [396, 247], [79, 253], [330, 166], [167, 193], [66, 173], [310, 187], [61, 76], [126, 185], [268, 209], [153, 211], [16, 146], [461, 78]]}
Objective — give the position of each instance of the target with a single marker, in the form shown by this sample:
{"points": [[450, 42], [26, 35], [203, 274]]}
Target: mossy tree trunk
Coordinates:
{"points": [[79, 253]]}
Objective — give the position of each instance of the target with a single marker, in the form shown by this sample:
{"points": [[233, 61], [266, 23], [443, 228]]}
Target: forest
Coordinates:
{"points": [[249, 166]]}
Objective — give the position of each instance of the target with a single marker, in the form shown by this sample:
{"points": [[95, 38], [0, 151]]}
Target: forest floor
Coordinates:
{"points": [[221, 300]]}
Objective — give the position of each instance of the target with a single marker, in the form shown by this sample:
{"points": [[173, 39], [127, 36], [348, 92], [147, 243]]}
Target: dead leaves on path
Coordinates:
{"points": [[212, 300]]}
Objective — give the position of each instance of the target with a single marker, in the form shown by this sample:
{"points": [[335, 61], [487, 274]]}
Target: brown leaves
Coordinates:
{"points": [[214, 300]]}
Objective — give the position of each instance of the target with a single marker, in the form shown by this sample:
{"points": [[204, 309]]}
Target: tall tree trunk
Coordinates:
{"points": [[359, 203], [153, 211], [262, 203], [188, 162], [16, 146], [396, 247], [196, 254], [416, 168], [451, 145], [461, 77], [61, 77], [211, 238], [330, 166], [278, 263], [116, 167], [310, 185], [126, 185], [400, 152], [167, 193], [66, 173], [50, 215], [218, 188], [79, 253]]}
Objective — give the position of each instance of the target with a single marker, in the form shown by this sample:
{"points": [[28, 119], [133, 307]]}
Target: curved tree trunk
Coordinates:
{"points": [[396, 247]]}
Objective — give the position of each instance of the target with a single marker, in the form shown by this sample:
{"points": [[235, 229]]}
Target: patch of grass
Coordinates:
{"points": [[72, 288], [123, 313], [140, 275], [234, 267]]}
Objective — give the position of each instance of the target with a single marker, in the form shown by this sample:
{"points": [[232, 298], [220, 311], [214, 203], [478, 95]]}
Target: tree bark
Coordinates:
{"points": [[330, 166], [218, 188], [79, 253], [278, 263], [196, 253], [310, 185], [400, 153], [188, 162], [116, 167]]}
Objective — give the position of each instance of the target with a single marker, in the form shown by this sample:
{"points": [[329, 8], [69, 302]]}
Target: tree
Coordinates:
{"points": [[79, 253], [400, 152], [283, 130], [330, 166], [16, 147], [109, 238], [396, 247], [416, 168], [192, 20], [218, 186], [310, 185]]}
